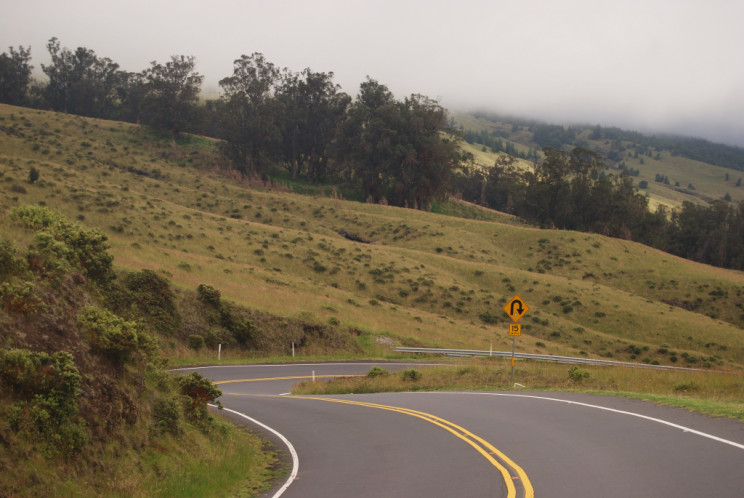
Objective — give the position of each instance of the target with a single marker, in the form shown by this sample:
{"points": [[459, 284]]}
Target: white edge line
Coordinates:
{"points": [[622, 412], [295, 458]]}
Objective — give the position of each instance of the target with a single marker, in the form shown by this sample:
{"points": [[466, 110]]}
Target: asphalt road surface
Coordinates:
{"points": [[473, 444]]}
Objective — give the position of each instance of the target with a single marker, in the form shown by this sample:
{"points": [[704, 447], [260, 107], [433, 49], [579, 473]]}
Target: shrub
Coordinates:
{"points": [[113, 336], [19, 298], [377, 372], [489, 318], [411, 374], [167, 416], [10, 263], [577, 374], [241, 328], [33, 175], [35, 217], [199, 391], [211, 340], [208, 295], [85, 249], [195, 342], [153, 300], [44, 389]]}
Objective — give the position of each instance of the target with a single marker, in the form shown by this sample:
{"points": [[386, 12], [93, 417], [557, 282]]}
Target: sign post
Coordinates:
{"points": [[516, 308]]}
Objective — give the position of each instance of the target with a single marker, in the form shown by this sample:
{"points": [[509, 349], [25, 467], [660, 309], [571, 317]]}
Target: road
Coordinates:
{"points": [[489, 444]]}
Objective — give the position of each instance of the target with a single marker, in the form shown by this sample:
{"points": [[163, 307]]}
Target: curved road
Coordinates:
{"points": [[488, 444]]}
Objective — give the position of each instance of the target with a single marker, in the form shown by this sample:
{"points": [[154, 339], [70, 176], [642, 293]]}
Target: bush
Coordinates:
{"points": [[200, 391], [212, 340], [167, 416], [153, 300], [113, 336], [195, 342], [33, 175], [241, 328], [377, 372], [44, 389], [577, 374], [489, 318], [411, 374], [208, 295], [10, 263], [66, 242], [19, 298]]}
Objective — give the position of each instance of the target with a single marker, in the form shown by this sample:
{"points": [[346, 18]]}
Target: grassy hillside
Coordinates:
{"points": [[689, 180], [427, 279]]}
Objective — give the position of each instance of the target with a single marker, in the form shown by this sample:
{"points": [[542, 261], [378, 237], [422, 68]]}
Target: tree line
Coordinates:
{"points": [[573, 191], [401, 152], [389, 150]]}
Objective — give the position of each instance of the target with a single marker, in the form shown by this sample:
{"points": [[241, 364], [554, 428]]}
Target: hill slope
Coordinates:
{"points": [[675, 169], [427, 279]]}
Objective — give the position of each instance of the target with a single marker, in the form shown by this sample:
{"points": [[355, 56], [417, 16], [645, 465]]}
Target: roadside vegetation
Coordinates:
{"points": [[713, 393], [86, 405]]}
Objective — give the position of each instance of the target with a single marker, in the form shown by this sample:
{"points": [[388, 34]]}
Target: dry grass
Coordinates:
{"points": [[428, 280], [715, 393]]}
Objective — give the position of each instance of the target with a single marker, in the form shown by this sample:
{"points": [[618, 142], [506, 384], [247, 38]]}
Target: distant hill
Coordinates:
{"points": [[674, 169]]}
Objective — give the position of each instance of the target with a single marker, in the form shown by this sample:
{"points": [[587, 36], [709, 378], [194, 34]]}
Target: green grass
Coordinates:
{"points": [[238, 465], [228, 462]]}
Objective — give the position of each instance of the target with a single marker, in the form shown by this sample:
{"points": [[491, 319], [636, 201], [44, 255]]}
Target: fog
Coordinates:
{"points": [[651, 65]]}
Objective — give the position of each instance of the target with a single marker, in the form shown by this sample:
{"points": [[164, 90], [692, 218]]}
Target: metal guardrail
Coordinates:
{"points": [[543, 357]]}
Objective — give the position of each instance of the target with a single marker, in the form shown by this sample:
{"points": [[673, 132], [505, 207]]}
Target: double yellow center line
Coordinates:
{"points": [[498, 459]]}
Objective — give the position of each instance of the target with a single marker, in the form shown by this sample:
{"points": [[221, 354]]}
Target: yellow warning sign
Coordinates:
{"points": [[516, 308], [515, 329]]}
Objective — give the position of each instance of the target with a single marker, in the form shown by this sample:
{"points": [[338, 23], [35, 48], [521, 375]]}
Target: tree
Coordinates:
{"points": [[248, 114], [548, 189], [395, 151], [15, 75], [131, 93], [429, 157], [80, 82], [504, 188], [311, 107], [171, 94], [362, 140]]}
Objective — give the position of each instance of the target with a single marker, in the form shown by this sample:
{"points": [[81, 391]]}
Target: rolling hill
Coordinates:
{"points": [[680, 161], [435, 279]]}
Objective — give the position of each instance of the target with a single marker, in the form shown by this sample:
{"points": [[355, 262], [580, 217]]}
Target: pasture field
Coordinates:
{"points": [[434, 279]]}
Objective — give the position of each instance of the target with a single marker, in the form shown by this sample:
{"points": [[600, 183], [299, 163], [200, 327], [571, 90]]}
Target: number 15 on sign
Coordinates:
{"points": [[515, 329]]}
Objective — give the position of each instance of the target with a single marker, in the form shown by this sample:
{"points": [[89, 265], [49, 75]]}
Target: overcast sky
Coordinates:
{"points": [[648, 65]]}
